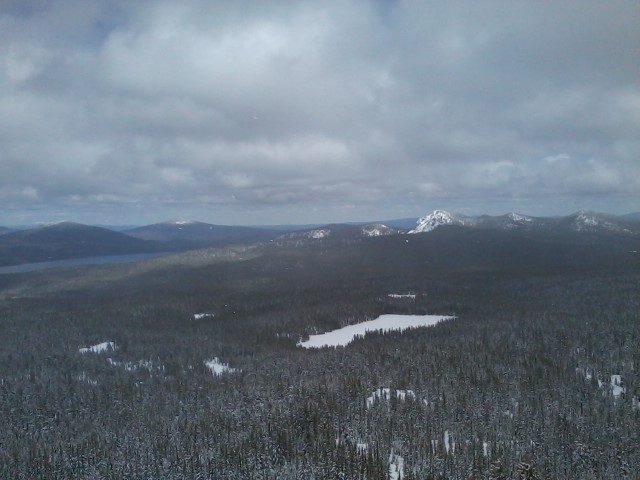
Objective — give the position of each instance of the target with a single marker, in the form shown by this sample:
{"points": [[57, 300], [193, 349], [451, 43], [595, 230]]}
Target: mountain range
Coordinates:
{"points": [[582, 221], [183, 235], [67, 240]]}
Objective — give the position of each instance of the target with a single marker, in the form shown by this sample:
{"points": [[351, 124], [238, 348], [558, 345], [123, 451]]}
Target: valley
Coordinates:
{"points": [[195, 368]]}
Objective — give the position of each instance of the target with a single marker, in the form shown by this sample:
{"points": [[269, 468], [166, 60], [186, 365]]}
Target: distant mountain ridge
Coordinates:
{"points": [[183, 234], [67, 240], [578, 222], [582, 221], [342, 231]]}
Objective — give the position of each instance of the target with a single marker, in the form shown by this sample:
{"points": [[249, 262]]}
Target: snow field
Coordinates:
{"points": [[384, 323], [615, 382], [218, 368]]}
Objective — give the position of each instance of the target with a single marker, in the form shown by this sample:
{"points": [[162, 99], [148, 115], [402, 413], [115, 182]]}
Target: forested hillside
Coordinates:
{"points": [[195, 370]]}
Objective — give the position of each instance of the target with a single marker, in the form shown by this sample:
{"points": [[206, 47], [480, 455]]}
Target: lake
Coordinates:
{"points": [[78, 262]]}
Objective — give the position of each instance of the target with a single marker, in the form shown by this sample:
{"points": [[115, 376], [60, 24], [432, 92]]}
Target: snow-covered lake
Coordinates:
{"points": [[384, 323]]}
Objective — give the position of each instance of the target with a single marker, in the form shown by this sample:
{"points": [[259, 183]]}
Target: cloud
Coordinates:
{"points": [[272, 109]]}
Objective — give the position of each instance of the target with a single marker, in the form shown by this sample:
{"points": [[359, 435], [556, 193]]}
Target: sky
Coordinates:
{"points": [[278, 112]]}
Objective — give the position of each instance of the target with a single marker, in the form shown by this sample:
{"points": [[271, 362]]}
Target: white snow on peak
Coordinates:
{"points": [[384, 323], [314, 234], [516, 217], [319, 233], [183, 222], [376, 230], [585, 219], [218, 368], [449, 442], [99, 348], [385, 394], [434, 220], [592, 221]]}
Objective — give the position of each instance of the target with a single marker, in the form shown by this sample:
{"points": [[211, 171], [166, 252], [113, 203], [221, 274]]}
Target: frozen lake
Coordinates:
{"points": [[384, 323]]}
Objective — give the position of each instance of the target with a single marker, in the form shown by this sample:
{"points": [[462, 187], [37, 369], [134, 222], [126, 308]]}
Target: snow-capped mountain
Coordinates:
{"points": [[436, 219], [584, 221], [581, 221]]}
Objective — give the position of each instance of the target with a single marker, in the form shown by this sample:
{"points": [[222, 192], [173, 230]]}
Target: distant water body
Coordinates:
{"points": [[78, 262]]}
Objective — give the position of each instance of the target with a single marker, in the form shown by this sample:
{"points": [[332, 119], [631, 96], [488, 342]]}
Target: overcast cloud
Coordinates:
{"points": [[299, 112]]}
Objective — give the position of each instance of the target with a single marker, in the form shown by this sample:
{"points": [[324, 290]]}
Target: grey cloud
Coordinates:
{"points": [[348, 108]]}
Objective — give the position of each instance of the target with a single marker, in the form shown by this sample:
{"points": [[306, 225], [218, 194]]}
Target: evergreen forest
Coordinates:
{"points": [[536, 377]]}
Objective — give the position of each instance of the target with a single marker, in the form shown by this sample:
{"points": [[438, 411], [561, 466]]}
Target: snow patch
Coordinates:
{"points": [[402, 295], [384, 323], [83, 377], [385, 394], [133, 366], [585, 220], [362, 447], [616, 385], [218, 368], [200, 316], [587, 373], [99, 348], [374, 232], [396, 467], [449, 443], [319, 233], [516, 217]]}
